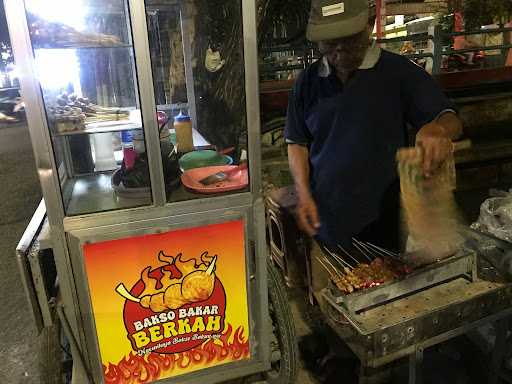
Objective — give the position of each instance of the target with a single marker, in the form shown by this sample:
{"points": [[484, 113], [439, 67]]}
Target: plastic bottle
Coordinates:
{"points": [[129, 154], [126, 138], [183, 127]]}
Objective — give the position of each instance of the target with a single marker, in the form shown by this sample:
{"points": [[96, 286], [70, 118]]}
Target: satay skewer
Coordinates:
{"points": [[362, 251], [339, 259], [371, 251], [332, 266], [385, 251], [332, 272], [348, 254], [339, 279]]}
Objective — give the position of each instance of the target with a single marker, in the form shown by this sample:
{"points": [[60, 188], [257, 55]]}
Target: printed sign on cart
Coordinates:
{"points": [[171, 303]]}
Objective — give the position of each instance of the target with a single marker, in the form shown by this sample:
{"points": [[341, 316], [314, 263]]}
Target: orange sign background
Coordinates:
{"points": [[122, 261]]}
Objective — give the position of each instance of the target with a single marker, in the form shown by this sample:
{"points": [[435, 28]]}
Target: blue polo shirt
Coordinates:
{"points": [[353, 132]]}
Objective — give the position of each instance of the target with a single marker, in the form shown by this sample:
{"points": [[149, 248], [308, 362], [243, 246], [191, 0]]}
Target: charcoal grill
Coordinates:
{"points": [[405, 316], [462, 265]]}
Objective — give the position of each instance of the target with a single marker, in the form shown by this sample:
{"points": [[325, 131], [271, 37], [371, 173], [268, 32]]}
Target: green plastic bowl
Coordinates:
{"points": [[205, 158]]}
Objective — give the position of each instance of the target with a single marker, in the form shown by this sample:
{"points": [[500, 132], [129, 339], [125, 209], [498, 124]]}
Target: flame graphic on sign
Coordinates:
{"points": [[144, 369], [180, 282]]}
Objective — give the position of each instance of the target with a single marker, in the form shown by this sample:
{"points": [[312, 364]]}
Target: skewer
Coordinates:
{"points": [[348, 254], [325, 267], [333, 267], [333, 275], [361, 250], [371, 251], [339, 259], [322, 259], [121, 289], [339, 280], [389, 253], [211, 267]]}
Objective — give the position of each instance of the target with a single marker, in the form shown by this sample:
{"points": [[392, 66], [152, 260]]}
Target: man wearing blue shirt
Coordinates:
{"points": [[347, 116]]}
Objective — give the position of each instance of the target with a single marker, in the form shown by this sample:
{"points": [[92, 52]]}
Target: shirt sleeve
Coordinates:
{"points": [[296, 131], [423, 98]]}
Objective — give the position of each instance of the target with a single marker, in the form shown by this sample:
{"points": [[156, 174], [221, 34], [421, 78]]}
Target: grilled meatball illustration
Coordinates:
{"points": [[145, 301], [199, 285], [196, 286], [154, 302], [173, 298]]}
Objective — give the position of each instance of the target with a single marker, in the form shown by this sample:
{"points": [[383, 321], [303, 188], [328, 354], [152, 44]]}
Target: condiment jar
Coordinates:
{"points": [[183, 127]]}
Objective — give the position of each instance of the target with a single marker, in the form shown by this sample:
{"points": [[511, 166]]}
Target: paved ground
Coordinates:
{"points": [[20, 195]]}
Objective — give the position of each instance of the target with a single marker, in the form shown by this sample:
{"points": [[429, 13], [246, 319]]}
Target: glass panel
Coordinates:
{"points": [[198, 73], [85, 65]]}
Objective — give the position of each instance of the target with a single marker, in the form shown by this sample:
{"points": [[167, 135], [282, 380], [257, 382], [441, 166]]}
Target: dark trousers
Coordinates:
{"points": [[385, 231]]}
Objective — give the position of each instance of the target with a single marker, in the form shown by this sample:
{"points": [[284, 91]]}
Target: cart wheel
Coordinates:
{"points": [[284, 347]]}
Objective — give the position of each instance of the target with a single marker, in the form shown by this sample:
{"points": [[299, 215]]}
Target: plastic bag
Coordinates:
{"points": [[496, 217], [429, 209]]}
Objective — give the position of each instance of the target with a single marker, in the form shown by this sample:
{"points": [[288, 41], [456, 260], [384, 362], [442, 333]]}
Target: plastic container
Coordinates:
{"points": [[127, 137], [183, 128], [205, 158], [104, 159], [166, 146], [139, 145], [129, 154]]}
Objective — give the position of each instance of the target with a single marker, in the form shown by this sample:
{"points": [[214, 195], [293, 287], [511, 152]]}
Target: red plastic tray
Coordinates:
{"points": [[238, 180]]}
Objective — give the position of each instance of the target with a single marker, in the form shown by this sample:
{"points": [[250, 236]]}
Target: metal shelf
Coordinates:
{"points": [[94, 193], [85, 46], [104, 127]]}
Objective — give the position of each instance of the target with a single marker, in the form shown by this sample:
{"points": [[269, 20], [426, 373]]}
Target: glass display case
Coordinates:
{"points": [[198, 71], [84, 62], [199, 83], [85, 65]]}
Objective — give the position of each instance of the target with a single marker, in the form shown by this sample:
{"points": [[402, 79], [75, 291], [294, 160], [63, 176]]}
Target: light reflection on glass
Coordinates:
{"points": [[58, 69], [70, 12]]}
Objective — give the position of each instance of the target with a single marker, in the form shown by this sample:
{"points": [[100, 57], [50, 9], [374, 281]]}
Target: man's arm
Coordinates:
{"points": [[453, 125], [436, 140], [430, 112], [307, 213]]}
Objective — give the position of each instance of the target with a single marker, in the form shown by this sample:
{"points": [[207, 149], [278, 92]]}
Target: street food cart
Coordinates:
{"points": [[161, 275]]}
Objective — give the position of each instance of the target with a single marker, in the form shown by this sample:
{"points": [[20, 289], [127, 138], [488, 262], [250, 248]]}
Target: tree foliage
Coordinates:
{"points": [[483, 12]]}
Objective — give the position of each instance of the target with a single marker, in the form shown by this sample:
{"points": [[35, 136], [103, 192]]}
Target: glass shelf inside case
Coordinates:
{"points": [[84, 61], [197, 61]]}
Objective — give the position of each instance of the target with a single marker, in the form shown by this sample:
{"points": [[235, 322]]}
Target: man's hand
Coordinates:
{"points": [[307, 215], [307, 212], [436, 143]]}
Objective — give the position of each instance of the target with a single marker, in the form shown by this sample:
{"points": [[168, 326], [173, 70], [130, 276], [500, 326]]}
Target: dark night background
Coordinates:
{"points": [[4, 32]]}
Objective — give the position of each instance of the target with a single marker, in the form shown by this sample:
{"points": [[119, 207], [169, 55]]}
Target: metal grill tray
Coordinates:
{"points": [[463, 264]]}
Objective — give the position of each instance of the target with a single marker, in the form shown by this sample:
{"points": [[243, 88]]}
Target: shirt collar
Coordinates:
{"points": [[371, 59]]}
